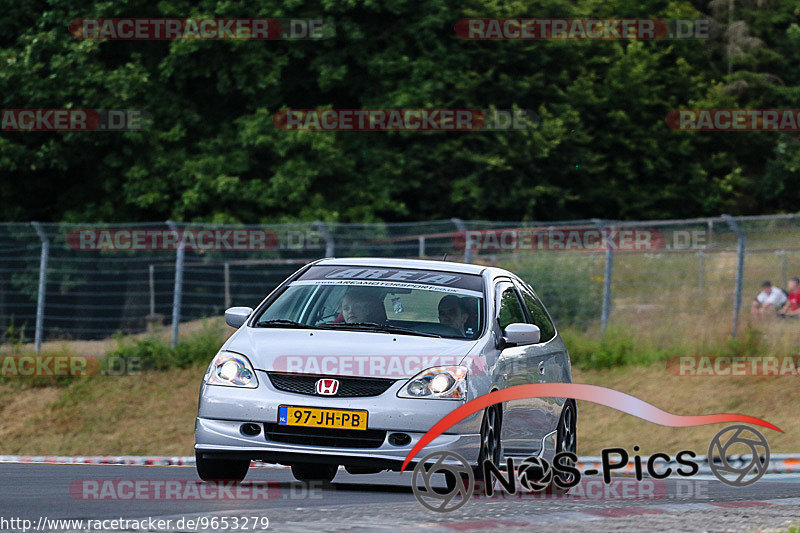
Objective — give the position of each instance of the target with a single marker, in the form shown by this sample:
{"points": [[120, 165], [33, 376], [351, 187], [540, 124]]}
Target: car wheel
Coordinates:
{"points": [[314, 472], [221, 469], [566, 437], [450, 481], [358, 470], [491, 446]]}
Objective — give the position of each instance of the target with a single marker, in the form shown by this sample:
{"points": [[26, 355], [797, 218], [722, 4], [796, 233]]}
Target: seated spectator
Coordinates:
{"points": [[792, 306], [770, 298]]}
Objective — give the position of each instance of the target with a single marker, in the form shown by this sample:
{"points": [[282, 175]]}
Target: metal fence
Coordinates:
{"points": [[89, 281]]}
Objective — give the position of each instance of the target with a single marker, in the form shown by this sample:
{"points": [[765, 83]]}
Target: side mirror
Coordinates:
{"points": [[236, 316], [519, 334]]}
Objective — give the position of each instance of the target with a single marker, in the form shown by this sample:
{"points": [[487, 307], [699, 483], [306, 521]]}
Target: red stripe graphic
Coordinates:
{"points": [[590, 393]]}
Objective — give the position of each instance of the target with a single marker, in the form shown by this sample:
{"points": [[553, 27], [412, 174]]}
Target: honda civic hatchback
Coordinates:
{"points": [[349, 362]]}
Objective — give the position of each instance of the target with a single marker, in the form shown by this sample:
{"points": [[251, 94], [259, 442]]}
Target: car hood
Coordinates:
{"points": [[355, 353]]}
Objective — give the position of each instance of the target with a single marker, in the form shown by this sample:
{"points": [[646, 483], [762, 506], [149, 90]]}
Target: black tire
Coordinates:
{"points": [[566, 437], [221, 469], [491, 445], [450, 482], [306, 472], [359, 470]]}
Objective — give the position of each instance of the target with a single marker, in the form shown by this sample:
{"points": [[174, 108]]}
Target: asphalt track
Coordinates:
{"points": [[384, 502]]}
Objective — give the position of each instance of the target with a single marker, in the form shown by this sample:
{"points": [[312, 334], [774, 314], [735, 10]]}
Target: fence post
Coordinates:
{"points": [[40, 297], [741, 239], [330, 247], [152, 280], [702, 257], [422, 246], [783, 269], [178, 287], [227, 271], [461, 227], [710, 224], [607, 276]]}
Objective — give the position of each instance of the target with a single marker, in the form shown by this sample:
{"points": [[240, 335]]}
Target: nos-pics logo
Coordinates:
{"points": [[536, 474]]}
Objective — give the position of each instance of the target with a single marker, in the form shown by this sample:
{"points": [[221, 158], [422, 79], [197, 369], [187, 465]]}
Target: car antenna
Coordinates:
{"points": [[445, 257]]}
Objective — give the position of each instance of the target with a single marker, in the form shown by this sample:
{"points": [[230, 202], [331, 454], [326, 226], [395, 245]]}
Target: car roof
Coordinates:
{"points": [[421, 264]]}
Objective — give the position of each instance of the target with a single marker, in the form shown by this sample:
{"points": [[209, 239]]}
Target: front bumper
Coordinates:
{"points": [[222, 411]]}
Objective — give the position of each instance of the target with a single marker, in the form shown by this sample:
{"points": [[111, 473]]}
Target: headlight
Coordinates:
{"points": [[231, 370], [447, 382]]}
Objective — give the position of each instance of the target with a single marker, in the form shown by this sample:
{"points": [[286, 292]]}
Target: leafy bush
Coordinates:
{"points": [[614, 349], [567, 283], [152, 353]]}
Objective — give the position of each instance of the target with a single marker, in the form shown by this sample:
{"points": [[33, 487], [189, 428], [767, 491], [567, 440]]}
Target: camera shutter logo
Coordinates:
{"points": [[442, 500], [725, 466], [535, 474]]}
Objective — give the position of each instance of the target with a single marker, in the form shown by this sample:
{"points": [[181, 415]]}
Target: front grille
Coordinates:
{"points": [[333, 438], [349, 387]]}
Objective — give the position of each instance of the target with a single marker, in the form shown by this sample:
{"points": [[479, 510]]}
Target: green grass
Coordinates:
{"points": [[154, 353], [619, 347]]}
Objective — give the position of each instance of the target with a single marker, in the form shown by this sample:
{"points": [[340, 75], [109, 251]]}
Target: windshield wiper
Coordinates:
{"points": [[386, 328], [283, 323]]}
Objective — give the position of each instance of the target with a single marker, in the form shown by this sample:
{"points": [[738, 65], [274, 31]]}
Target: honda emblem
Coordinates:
{"points": [[328, 387]]}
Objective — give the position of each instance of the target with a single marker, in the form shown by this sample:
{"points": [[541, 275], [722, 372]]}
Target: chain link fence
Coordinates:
{"points": [[90, 281]]}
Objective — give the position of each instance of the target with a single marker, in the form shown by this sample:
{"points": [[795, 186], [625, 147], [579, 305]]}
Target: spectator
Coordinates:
{"points": [[769, 298], [792, 306]]}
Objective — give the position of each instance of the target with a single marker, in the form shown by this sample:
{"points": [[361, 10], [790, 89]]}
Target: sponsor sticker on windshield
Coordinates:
{"points": [[392, 277], [387, 284]]}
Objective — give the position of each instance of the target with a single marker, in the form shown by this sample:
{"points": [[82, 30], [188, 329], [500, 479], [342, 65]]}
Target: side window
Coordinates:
{"points": [[510, 309], [538, 315]]}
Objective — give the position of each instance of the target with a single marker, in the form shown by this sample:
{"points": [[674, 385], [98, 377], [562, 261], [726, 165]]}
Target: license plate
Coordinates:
{"points": [[321, 418]]}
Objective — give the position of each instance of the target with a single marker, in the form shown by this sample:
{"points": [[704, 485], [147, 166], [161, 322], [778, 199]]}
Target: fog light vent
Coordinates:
{"points": [[250, 429], [399, 439]]}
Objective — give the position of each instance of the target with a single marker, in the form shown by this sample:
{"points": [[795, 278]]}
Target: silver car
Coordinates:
{"points": [[351, 361]]}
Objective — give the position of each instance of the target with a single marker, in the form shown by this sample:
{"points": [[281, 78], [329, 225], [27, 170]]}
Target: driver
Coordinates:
{"points": [[362, 305], [453, 312]]}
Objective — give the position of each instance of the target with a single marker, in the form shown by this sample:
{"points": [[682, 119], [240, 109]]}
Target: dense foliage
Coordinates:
{"points": [[602, 147]]}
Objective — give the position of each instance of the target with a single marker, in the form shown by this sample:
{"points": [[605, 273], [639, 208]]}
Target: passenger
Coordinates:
{"points": [[454, 313]]}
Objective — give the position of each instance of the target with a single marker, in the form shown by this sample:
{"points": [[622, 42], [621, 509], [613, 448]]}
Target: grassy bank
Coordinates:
{"points": [[153, 413]]}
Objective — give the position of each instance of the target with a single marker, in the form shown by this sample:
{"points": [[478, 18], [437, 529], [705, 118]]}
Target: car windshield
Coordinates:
{"points": [[390, 300]]}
